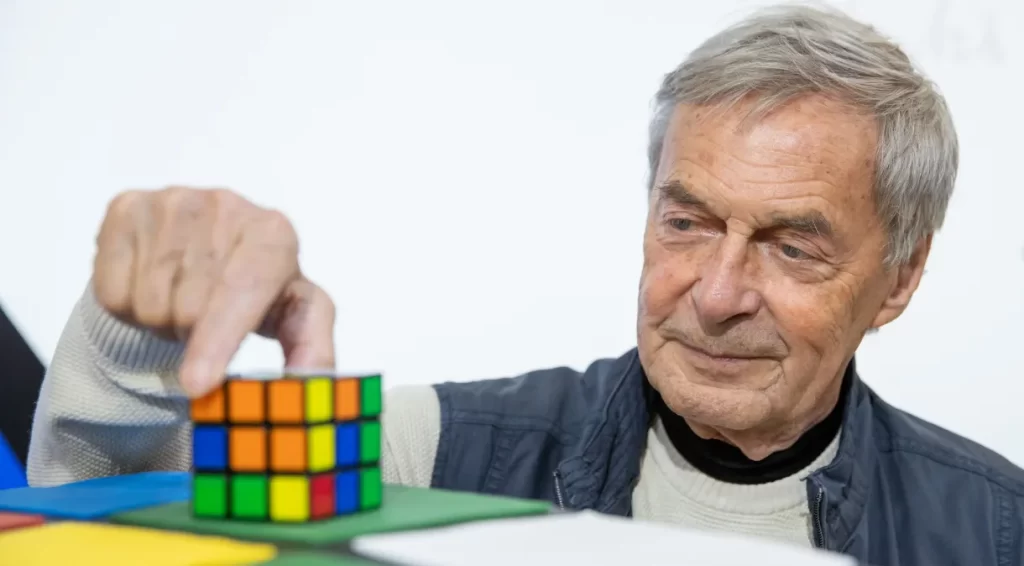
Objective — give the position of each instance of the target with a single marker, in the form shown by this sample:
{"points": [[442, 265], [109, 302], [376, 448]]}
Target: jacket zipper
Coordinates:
{"points": [[558, 490], [819, 529]]}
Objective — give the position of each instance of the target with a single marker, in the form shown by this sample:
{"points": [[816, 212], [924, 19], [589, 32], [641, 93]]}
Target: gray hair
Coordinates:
{"points": [[781, 53]]}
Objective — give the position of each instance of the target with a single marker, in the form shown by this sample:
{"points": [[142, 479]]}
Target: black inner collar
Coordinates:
{"points": [[727, 463]]}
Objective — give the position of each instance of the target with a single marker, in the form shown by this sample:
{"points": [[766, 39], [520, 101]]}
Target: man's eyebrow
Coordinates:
{"points": [[679, 194], [812, 223]]}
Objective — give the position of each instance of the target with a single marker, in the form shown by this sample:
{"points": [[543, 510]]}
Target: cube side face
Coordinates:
{"points": [[289, 450]]}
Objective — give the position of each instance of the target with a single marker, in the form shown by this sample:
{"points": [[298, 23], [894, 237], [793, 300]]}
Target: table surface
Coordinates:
{"points": [[160, 500]]}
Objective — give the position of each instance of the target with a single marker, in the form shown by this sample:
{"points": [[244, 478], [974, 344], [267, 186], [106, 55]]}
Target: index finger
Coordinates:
{"points": [[263, 261]]}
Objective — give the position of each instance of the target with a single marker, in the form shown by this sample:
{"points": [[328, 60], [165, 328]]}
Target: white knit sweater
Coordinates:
{"points": [[110, 405]]}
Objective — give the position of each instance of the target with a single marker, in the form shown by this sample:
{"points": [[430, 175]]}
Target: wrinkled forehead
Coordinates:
{"points": [[808, 132], [811, 154]]}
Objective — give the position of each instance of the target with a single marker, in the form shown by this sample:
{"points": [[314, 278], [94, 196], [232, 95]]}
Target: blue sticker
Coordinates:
{"points": [[346, 438], [347, 492], [210, 448]]}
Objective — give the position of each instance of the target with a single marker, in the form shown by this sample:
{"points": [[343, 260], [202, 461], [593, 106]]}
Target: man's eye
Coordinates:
{"points": [[793, 252], [681, 223]]}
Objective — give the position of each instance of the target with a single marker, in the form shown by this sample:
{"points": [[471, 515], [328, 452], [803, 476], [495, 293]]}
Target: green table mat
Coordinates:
{"points": [[404, 508]]}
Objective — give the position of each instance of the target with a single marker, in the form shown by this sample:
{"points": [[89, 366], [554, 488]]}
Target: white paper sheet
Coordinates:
{"points": [[584, 538]]}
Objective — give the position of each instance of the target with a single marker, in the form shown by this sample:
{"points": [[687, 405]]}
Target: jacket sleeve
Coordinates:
{"points": [[110, 404]]}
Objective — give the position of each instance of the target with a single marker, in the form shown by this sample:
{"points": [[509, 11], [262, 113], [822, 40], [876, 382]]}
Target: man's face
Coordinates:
{"points": [[763, 267]]}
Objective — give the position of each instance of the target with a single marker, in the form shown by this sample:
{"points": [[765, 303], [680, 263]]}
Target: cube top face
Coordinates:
{"points": [[292, 449], [290, 400]]}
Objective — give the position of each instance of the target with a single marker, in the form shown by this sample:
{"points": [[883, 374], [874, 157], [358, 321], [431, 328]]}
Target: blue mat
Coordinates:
{"points": [[11, 472], [100, 497]]}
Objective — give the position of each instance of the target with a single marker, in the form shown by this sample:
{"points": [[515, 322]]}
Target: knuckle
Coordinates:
{"points": [[330, 312], [325, 303], [191, 298], [229, 206], [149, 309], [124, 204], [226, 198], [168, 258], [271, 229], [276, 226], [232, 210], [110, 295], [202, 265], [242, 280], [186, 317], [147, 317], [174, 199]]}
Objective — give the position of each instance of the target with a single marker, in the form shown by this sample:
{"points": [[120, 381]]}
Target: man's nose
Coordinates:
{"points": [[723, 294]]}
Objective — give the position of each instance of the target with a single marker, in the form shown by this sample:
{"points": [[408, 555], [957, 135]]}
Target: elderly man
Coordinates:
{"points": [[799, 168]]}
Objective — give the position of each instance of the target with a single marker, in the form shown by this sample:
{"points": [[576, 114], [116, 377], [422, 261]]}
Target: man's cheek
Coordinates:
{"points": [[661, 290], [817, 321]]}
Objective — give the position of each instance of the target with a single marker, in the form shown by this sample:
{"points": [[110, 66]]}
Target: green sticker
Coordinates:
{"points": [[371, 395], [370, 488], [369, 442], [209, 495], [249, 497]]}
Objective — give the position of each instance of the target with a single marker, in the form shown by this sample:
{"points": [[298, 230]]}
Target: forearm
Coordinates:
{"points": [[110, 403]]}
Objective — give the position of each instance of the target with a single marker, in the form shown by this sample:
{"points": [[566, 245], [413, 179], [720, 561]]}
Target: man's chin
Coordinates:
{"points": [[718, 408], [714, 402]]}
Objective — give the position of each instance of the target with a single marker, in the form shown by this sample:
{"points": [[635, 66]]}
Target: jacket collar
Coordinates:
{"points": [[845, 482], [601, 470]]}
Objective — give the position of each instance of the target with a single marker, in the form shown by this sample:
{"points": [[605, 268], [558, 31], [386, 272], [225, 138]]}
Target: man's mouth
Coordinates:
{"points": [[722, 355]]}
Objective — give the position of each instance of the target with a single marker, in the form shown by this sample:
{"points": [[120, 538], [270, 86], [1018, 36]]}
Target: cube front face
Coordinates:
{"points": [[287, 450]]}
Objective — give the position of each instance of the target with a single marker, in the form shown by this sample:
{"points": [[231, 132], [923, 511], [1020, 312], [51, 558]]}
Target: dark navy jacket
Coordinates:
{"points": [[900, 492]]}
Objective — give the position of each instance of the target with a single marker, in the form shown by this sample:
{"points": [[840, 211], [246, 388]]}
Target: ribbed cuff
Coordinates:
{"points": [[122, 345]]}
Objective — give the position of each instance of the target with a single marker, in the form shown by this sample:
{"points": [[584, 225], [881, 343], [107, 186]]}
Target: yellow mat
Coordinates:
{"points": [[94, 544]]}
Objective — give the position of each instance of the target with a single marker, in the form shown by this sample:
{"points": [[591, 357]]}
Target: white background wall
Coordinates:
{"points": [[467, 177]]}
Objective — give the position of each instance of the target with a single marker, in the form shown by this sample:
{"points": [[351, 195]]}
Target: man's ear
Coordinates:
{"points": [[905, 279]]}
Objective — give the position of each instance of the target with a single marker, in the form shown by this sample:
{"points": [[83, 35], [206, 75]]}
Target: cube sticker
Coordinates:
{"points": [[246, 402], [250, 496], [209, 495]]}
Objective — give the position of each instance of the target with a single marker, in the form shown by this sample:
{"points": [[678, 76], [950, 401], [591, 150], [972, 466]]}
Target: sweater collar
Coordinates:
{"points": [[604, 465]]}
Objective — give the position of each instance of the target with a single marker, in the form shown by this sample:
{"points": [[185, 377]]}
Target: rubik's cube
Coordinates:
{"points": [[290, 449]]}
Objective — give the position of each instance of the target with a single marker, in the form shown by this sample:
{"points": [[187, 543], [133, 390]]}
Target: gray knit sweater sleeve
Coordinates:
{"points": [[110, 404]]}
